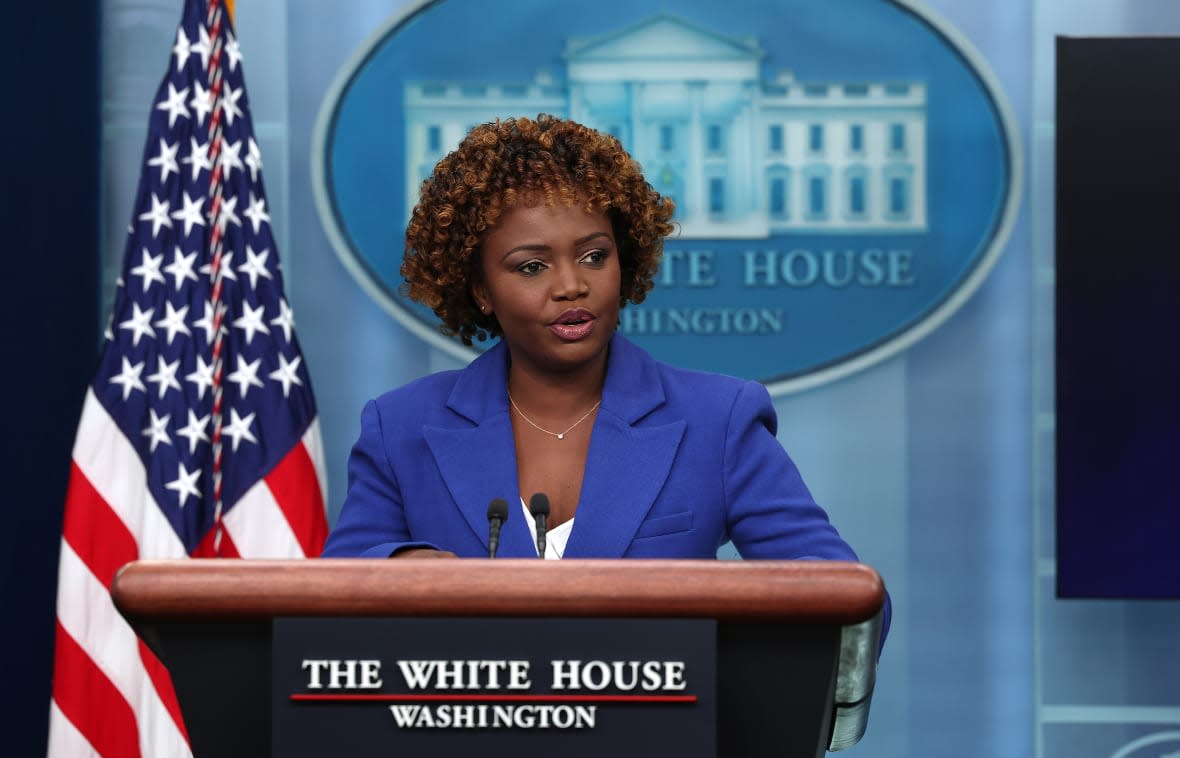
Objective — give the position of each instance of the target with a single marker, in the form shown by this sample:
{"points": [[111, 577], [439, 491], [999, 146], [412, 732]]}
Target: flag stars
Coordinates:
{"points": [[226, 215], [158, 215], [227, 270], [202, 377], [201, 103], [254, 160], [198, 157], [190, 214], [230, 158], [286, 373], [157, 430], [129, 379], [205, 323], [229, 104], [173, 321], [233, 52], [185, 483], [285, 320], [203, 47], [256, 212], [251, 322], [246, 376], [139, 324], [181, 49], [165, 160], [165, 376], [194, 430], [181, 267], [149, 269], [174, 104], [255, 266], [239, 428]]}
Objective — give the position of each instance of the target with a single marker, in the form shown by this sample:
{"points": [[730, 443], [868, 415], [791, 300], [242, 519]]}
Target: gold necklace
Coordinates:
{"points": [[558, 435]]}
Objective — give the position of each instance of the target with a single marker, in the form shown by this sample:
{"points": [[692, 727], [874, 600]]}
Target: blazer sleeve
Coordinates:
{"points": [[372, 522], [770, 512]]}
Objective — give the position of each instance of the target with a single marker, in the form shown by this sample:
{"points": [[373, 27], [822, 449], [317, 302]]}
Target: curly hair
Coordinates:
{"points": [[522, 161]]}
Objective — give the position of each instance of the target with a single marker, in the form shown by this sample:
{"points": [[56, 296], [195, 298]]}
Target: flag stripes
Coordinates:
{"points": [[65, 738], [111, 731], [294, 475], [114, 470], [100, 682]]}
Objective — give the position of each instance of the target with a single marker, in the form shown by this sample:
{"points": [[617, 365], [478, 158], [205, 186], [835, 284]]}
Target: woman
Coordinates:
{"points": [[538, 232]]}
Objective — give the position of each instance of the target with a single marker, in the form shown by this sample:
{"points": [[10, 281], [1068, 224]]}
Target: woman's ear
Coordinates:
{"points": [[479, 293]]}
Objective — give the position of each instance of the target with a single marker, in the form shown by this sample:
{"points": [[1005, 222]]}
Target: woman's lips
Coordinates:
{"points": [[572, 326]]}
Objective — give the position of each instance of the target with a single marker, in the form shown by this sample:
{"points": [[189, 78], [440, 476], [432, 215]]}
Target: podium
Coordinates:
{"points": [[797, 641]]}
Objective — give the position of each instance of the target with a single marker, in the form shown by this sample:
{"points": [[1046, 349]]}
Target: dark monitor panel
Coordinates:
{"points": [[1118, 318]]}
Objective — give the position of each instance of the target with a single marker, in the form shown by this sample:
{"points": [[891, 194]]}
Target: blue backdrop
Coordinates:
{"points": [[937, 463]]}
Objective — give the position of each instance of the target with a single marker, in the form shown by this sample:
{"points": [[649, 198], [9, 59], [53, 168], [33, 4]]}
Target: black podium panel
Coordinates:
{"points": [[769, 680]]}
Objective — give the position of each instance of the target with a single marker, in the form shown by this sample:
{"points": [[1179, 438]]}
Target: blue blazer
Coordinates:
{"points": [[679, 463]]}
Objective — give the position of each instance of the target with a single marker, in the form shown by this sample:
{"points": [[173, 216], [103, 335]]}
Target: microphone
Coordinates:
{"points": [[497, 515], [539, 507]]}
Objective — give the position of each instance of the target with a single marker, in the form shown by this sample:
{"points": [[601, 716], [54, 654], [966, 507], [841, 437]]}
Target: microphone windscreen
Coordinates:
{"points": [[539, 504], [498, 510]]}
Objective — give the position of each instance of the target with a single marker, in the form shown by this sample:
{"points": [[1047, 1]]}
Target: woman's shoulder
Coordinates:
{"points": [[693, 387], [419, 397], [702, 380], [469, 391], [718, 396]]}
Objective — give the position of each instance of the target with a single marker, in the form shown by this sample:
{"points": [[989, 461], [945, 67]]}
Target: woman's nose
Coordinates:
{"points": [[569, 283]]}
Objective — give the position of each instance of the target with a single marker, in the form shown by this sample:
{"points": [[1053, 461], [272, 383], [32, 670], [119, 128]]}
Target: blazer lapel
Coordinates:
{"points": [[478, 463], [626, 467], [628, 463]]}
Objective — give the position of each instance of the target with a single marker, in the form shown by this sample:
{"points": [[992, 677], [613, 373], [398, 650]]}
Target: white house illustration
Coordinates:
{"points": [[743, 157]]}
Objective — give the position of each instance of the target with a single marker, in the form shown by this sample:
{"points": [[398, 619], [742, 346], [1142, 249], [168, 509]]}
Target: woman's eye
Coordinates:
{"points": [[531, 267], [594, 257]]}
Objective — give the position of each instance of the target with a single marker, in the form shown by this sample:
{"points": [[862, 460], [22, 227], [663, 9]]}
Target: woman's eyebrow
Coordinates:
{"points": [[588, 237], [541, 247], [531, 247]]}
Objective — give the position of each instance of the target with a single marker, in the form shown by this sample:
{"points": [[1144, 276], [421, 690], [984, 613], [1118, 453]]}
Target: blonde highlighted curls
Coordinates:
{"points": [[522, 161]]}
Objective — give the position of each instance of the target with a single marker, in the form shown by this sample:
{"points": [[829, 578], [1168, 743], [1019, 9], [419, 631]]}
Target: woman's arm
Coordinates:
{"points": [[372, 522], [769, 510]]}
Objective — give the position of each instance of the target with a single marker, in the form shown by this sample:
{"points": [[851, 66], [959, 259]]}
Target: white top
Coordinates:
{"points": [[555, 538]]}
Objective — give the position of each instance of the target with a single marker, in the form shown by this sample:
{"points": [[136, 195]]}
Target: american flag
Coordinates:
{"points": [[199, 434]]}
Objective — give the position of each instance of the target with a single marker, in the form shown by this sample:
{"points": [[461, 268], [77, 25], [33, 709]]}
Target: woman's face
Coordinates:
{"points": [[551, 276]]}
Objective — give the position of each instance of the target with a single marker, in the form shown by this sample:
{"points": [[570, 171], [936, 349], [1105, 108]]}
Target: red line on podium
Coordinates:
{"points": [[410, 697]]}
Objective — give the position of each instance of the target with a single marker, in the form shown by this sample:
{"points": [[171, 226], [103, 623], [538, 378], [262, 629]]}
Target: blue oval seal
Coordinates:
{"points": [[1158, 745], [846, 173]]}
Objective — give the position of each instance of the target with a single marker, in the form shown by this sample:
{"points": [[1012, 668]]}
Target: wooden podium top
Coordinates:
{"points": [[825, 592]]}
